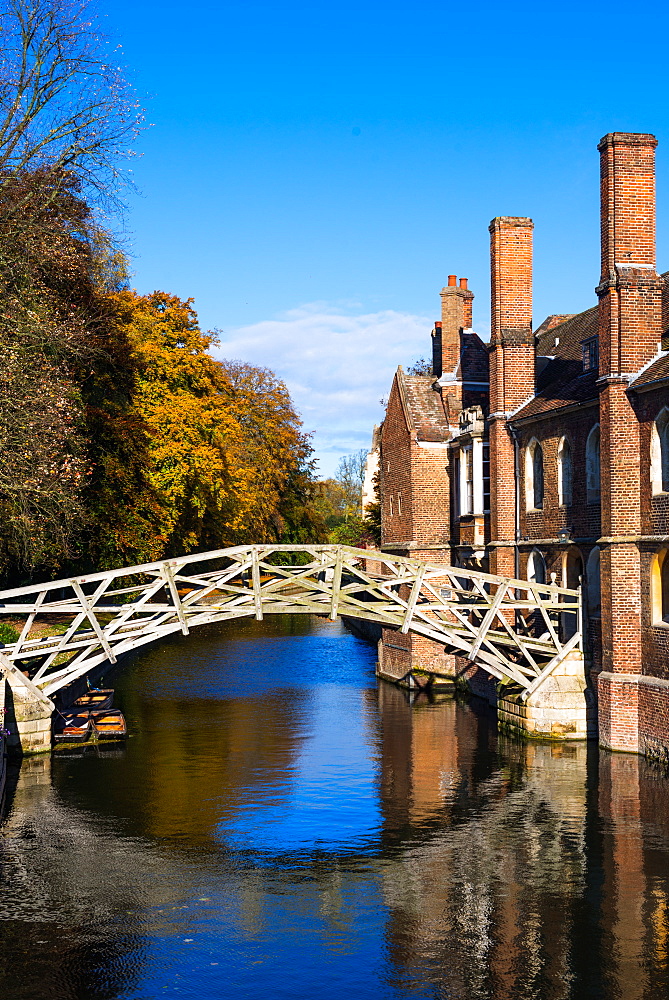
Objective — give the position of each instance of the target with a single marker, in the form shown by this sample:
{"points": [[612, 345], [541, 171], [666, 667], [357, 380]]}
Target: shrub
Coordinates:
{"points": [[8, 633]]}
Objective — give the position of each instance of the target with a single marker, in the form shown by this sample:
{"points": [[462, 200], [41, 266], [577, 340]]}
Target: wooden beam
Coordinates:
{"points": [[168, 576], [413, 599], [255, 579]]}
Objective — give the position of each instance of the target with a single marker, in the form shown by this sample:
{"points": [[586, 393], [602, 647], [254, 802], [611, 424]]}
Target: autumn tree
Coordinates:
{"points": [[228, 461], [67, 119], [53, 321], [340, 502], [121, 438]]}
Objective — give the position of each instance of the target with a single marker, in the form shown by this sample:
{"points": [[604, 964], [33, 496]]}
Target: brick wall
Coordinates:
{"points": [[653, 707], [415, 491], [511, 373], [630, 647], [630, 328], [654, 522], [456, 315], [395, 474]]}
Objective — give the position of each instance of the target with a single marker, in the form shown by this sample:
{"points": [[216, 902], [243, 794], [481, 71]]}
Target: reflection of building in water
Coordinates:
{"points": [[506, 884]]}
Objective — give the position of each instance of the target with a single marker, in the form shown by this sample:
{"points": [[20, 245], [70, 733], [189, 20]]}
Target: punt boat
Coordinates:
{"points": [[94, 699], [108, 724], [73, 727]]}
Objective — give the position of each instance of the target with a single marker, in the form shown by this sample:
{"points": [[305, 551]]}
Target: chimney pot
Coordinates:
{"points": [[452, 280], [463, 282]]}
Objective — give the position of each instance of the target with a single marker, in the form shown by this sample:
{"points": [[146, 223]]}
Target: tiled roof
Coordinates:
{"points": [[424, 405], [568, 334], [549, 323], [659, 369], [562, 381]]}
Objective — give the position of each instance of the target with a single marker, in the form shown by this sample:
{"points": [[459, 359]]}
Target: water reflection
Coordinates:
{"points": [[525, 868], [278, 824]]}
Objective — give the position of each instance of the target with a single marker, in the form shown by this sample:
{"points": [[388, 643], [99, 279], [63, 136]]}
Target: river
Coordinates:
{"points": [[279, 825]]}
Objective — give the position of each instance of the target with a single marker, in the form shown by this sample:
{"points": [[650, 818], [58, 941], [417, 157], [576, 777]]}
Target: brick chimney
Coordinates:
{"points": [[456, 315], [511, 373], [630, 299], [511, 340], [630, 329]]}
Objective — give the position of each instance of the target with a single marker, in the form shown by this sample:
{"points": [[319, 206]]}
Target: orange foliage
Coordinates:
{"points": [[225, 443]]}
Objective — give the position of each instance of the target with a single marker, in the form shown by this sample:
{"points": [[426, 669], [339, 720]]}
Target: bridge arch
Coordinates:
{"points": [[68, 627]]}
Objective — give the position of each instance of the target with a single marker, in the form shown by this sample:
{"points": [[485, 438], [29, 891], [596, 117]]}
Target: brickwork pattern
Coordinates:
{"points": [[629, 649], [653, 702], [511, 373], [395, 473], [456, 315], [618, 697], [630, 328], [581, 515]]}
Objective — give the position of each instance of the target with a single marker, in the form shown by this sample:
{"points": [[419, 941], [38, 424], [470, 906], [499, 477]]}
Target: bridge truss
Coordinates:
{"points": [[515, 629]]}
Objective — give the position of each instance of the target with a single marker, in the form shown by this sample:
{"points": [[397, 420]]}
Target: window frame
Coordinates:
{"points": [[593, 465], [532, 493], [565, 484]]}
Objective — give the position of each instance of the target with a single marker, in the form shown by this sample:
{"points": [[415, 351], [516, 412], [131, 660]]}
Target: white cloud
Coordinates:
{"points": [[337, 365]]}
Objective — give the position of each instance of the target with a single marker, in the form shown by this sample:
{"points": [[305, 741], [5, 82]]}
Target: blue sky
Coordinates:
{"points": [[315, 171]]}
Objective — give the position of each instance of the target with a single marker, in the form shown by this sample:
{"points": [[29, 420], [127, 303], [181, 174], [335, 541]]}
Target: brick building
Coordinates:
{"points": [[545, 454]]}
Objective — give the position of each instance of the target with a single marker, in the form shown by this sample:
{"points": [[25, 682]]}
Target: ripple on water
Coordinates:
{"points": [[279, 825]]}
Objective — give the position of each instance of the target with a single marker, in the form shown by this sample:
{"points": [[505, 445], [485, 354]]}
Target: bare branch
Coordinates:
{"points": [[64, 104]]}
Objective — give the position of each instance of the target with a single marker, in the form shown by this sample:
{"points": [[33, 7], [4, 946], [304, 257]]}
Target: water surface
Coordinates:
{"points": [[280, 826]]}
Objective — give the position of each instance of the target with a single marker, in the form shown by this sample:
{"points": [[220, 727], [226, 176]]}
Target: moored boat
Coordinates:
{"points": [[73, 727], [108, 724], [95, 698]]}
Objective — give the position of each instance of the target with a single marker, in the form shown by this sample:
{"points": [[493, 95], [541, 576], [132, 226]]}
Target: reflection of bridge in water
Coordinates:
{"points": [[537, 871], [511, 628]]}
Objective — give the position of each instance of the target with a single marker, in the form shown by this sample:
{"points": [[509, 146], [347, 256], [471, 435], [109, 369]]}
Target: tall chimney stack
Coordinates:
{"points": [[630, 309], [630, 329], [456, 316], [511, 372]]}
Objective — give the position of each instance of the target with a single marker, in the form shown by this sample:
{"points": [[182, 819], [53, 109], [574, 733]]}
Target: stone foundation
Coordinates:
{"points": [[28, 720], [562, 708]]}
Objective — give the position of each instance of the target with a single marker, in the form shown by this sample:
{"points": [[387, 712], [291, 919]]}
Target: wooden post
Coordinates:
{"points": [[255, 571], [336, 585], [413, 598], [169, 579]]}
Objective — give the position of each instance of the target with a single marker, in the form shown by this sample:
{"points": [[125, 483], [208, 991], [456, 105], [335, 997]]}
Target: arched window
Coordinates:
{"points": [[572, 568], [659, 453], [534, 476], [659, 586], [564, 470], [572, 574], [536, 567], [593, 584], [592, 465]]}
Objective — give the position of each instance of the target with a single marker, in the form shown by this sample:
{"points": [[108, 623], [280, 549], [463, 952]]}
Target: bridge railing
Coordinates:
{"points": [[516, 629]]}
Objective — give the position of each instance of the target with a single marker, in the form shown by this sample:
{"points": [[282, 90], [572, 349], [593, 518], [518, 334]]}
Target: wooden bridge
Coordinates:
{"points": [[515, 629]]}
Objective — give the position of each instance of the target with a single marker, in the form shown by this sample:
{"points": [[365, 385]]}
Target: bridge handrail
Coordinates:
{"points": [[513, 628], [196, 557]]}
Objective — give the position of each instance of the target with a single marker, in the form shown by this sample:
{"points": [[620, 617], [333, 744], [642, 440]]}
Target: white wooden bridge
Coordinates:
{"points": [[512, 628]]}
